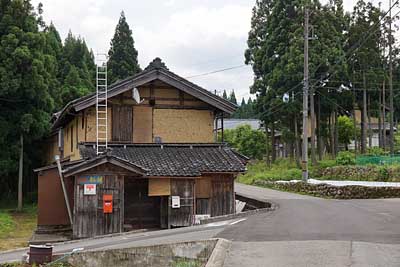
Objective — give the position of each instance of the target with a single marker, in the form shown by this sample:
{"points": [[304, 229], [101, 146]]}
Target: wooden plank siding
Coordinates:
{"points": [[222, 195], [183, 216], [89, 219], [122, 123]]}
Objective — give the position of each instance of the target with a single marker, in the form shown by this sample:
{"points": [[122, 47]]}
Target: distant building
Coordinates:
{"points": [[230, 124]]}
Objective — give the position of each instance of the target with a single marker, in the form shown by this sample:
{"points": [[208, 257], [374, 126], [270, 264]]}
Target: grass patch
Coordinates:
{"points": [[282, 169], [16, 228]]}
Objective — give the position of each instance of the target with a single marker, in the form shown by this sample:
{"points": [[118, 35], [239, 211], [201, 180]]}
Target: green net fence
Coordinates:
{"points": [[378, 160]]}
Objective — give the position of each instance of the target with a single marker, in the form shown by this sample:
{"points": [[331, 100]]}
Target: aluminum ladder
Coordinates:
{"points": [[101, 104]]}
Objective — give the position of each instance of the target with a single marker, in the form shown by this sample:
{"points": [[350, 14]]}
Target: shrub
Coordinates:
{"points": [[345, 158], [247, 141], [376, 151], [383, 173]]}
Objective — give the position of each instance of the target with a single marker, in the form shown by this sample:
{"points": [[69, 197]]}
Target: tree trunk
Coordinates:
{"points": [[320, 143], [355, 123], [297, 144], [369, 122], [384, 116], [380, 121], [267, 145], [273, 150], [363, 118], [312, 110], [332, 130], [20, 173], [336, 134]]}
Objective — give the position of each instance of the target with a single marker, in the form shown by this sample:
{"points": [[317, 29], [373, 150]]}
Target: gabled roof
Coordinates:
{"points": [[156, 70], [103, 159], [175, 160]]}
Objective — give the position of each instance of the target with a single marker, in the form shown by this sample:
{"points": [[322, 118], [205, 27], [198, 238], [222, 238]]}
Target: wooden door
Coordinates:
{"points": [[122, 123], [183, 216], [223, 196], [89, 219], [141, 211]]}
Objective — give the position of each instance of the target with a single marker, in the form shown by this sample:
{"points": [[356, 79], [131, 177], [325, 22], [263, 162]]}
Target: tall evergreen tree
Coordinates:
{"points": [[76, 61], [232, 97], [224, 95], [123, 60], [25, 78]]}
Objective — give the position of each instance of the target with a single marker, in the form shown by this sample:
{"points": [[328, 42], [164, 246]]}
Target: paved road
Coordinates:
{"points": [[303, 232], [308, 231]]}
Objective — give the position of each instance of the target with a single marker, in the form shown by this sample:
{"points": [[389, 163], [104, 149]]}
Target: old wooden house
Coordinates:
{"points": [[163, 165]]}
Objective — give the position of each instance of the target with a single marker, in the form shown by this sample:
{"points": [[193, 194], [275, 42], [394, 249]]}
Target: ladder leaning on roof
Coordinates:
{"points": [[101, 104]]}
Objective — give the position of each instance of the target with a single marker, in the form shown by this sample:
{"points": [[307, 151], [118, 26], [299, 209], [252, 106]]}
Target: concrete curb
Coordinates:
{"points": [[217, 258]]}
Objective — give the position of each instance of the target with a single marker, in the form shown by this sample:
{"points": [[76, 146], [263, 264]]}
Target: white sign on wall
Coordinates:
{"points": [[176, 202], [89, 189]]}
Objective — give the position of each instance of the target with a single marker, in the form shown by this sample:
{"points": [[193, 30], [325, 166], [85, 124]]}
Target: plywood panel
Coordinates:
{"points": [[159, 187], [177, 125], [142, 124], [203, 187]]}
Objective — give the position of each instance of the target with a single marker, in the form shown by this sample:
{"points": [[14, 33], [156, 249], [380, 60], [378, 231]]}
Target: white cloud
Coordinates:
{"points": [[191, 36]]}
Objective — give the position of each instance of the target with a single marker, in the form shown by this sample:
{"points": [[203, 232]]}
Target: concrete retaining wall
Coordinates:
{"points": [[195, 253]]}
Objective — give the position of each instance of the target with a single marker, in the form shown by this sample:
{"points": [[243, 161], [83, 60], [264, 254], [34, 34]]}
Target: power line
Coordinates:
{"points": [[217, 71]]}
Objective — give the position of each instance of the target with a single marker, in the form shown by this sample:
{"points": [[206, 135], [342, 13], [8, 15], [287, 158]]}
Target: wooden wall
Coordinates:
{"points": [[215, 194], [89, 218], [52, 149], [51, 204], [166, 112]]}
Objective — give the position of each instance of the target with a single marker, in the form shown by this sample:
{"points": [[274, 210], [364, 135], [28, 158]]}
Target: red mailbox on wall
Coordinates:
{"points": [[107, 204]]}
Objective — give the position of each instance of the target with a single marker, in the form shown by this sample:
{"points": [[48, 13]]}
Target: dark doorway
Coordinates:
{"points": [[141, 211]]}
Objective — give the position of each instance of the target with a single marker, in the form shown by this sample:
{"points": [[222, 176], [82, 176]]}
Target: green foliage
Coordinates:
{"points": [[6, 223], [246, 110], [26, 79], [282, 169], [232, 97], [123, 60], [346, 130], [345, 158], [77, 70], [250, 143], [376, 151]]}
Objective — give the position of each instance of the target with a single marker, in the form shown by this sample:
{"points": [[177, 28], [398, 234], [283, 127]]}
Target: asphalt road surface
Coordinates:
{"points": [[302, 231], [308, 231]]}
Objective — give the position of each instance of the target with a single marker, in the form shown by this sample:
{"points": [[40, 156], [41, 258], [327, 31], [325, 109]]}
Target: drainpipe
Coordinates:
{"points": [[57, 158]]}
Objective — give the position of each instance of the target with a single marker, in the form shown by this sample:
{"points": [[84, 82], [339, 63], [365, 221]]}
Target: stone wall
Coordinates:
{"points": [[330, 191]]}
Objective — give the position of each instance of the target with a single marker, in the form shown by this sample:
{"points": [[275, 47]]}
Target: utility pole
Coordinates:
{"points": [[391, 141], [305, 99]]}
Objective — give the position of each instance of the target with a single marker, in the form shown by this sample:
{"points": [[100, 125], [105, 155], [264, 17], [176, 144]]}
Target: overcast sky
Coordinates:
{"points": [[191, 36]]}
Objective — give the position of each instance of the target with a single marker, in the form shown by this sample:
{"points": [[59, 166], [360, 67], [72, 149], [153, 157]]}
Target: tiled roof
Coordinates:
{"points": [[179, 160]]}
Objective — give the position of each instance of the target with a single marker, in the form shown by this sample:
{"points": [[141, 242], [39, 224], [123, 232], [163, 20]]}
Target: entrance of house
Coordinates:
{"points": [[140, 211]]}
